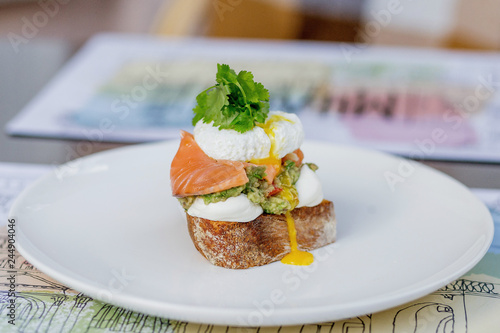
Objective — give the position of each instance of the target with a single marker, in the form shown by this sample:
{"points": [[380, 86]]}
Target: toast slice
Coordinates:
{"points": [[263, 240]]}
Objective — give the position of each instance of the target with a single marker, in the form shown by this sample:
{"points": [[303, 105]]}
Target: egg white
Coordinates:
{"points": [[308, 188], [234, 209], [287, 136]]}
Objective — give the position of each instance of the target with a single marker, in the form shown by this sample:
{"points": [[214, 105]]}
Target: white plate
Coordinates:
{"points": [[106, 225]]}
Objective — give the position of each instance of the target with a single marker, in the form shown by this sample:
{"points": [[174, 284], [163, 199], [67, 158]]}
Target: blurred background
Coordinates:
{"points": [[38, 37], [447, 23]]}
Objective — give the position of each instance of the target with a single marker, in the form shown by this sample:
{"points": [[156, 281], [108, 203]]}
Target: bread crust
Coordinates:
{"points": [[264, 240]]}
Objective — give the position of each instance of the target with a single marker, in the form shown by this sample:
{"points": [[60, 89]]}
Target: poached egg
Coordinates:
{"points": [[281, 134], [267, 143]]}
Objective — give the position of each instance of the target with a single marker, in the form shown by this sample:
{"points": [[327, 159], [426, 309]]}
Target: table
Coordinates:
{"points": [[23, 75]]}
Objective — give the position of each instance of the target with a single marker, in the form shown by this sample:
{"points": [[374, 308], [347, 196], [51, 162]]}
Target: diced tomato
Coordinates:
{"points": [[275, 191]]}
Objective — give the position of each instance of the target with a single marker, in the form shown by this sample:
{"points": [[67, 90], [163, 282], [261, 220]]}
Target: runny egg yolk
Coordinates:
{"points": [[296, 256], [268, 127]]}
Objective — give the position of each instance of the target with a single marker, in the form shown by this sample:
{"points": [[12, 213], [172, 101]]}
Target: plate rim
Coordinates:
{"points": [[281, 317]]}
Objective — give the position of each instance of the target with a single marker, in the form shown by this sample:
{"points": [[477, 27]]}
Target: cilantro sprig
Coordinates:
{"points": [[235, 102]]}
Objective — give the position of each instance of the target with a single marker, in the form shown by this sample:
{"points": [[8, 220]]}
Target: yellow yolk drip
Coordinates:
{"points": [[268, 128], [296, 256]]}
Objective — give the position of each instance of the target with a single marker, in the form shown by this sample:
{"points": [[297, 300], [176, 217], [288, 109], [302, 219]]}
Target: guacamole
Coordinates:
{"points": [[276, 198]]}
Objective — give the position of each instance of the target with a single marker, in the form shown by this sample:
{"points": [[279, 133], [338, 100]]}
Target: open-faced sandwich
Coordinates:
{"points": [[249, 197]]}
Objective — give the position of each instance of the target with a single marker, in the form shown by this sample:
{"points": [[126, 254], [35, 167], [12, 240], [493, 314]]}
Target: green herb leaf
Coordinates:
{"points": [[236, 102]]}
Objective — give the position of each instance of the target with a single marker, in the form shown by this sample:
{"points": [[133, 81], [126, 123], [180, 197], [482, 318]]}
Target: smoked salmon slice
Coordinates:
{"points": [[195, 173], [297, 156], [271, 171]]}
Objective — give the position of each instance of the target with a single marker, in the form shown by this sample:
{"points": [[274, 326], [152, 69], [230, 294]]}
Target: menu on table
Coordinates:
{"points": [[420, 103]]}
